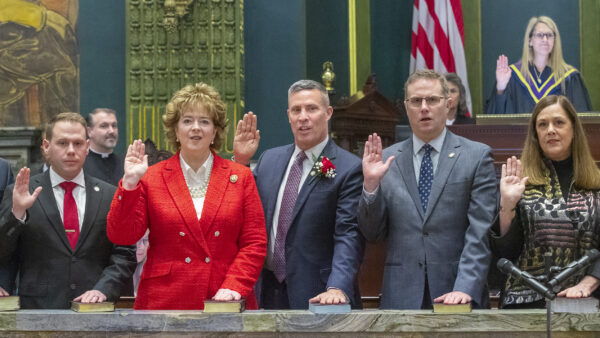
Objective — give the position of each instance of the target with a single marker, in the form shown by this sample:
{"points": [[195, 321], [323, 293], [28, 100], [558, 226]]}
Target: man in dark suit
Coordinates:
{"points": [[7, 271], [315, 247], [433, 198], [55, 224], [6, 176]]}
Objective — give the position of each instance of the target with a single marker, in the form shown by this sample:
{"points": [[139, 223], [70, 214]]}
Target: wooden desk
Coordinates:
{"points": [[365, 323]]}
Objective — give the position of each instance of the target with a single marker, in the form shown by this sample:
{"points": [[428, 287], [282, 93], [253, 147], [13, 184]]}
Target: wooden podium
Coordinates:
{"points": [[506, 134]]}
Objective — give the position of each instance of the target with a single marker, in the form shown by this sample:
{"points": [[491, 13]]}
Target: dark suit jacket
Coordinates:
{"points": [[324, 247], [6, 176], [7, 271], [51, 273], [108, 169], [448, 243]]}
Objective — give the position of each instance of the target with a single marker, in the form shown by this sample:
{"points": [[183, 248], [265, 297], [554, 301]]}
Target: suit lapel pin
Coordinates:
{"points": [[451, 155], [233, 178], [96, 188]]}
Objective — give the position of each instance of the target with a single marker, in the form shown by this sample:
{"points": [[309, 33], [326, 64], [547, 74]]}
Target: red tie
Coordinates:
{"points": [[70, 218]]}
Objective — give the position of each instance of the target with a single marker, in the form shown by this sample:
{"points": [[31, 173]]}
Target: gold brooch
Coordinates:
{"points": [[451, 155], [233, 178]]}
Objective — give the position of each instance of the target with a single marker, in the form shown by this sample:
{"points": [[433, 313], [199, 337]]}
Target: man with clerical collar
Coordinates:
{"points": [[54, 226], [432, 197], [103, 132]]}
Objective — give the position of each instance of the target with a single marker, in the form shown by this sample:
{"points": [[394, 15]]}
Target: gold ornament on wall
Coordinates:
{"points": [[174, 9], [328, 76]]}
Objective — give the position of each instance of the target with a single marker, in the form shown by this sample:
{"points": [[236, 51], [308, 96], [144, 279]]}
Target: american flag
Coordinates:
{"points": [[438, 39]]}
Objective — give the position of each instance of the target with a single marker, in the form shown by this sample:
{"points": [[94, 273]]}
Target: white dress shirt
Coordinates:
{"points": [[78, 194], [311, 154], [195, 179]]}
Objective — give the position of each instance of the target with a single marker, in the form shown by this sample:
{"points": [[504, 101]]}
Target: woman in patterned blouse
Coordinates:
{"points": [[549, 204]]}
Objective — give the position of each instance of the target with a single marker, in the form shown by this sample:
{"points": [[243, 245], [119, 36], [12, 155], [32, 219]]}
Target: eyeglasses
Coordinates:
{"points": [[431, 101], [541, 36]]}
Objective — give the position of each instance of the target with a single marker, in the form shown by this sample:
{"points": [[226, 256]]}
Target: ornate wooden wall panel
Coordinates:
{"points": [[206, 44]]}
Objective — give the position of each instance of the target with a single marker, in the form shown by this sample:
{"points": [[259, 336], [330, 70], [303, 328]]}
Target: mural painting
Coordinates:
{"points": [[38, 61]]}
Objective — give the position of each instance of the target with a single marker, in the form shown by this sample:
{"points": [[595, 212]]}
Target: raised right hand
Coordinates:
{"points": [[503, 73], [373, 166], [22, 199], [136, 164], [511, 183], [246, 139]]}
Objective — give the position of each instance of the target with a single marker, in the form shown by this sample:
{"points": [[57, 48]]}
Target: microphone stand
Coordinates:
{"points": [[547, 267], [553, 278]]}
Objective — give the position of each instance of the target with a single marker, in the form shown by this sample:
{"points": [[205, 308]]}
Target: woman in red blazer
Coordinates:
{"points": [[207, 230]]}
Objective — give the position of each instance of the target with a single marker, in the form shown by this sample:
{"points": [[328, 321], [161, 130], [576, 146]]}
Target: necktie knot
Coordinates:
{"points": [[68, 186], [428, 148], [300, 158]]}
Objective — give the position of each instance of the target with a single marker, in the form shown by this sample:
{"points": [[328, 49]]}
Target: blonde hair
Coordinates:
{"points": [[555, 59], [202, 95], [586, 174]]}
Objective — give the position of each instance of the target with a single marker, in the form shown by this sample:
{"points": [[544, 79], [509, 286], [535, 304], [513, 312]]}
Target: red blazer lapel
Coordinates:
{"points": [[175, 183], [219, 179]]}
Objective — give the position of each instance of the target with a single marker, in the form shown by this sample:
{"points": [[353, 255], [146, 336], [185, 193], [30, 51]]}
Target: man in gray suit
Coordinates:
{"points": [[433, 197]]}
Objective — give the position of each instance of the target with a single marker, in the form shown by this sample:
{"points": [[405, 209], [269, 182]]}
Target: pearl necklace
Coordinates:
{"points": [[200, 192]]}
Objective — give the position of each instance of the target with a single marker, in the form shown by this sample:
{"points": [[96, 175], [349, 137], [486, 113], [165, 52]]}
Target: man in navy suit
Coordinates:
{"points": [[315, 247]]}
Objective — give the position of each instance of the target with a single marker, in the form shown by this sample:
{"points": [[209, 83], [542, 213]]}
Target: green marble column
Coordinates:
{"points": [[205, 45]]}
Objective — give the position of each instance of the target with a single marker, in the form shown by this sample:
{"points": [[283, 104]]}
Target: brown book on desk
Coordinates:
{"points": [[10, 303], [233, 306], [93, 307], [451, 308]]}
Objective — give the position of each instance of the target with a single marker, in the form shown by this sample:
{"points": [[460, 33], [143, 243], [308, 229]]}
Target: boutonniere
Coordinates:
{"points": [[322, 168]]}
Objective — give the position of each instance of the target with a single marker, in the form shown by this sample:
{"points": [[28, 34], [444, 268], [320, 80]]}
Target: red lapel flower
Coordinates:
{"points": [[322, 168]]}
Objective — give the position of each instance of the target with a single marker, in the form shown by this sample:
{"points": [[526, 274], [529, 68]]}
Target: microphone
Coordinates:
{"points": [[507, 267], [574, 267]]}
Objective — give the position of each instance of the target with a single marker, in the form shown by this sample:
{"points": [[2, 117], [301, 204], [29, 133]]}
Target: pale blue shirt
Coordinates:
{"points": [[418, 152]]}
